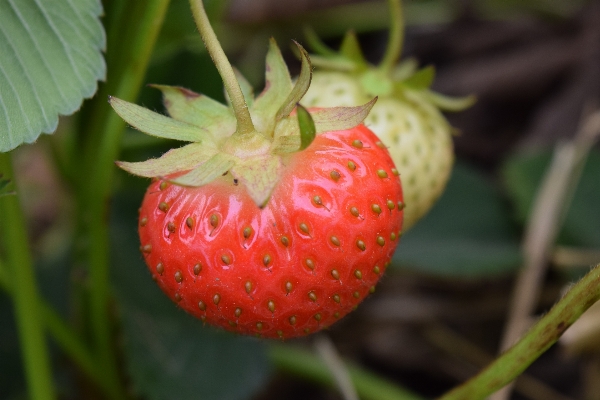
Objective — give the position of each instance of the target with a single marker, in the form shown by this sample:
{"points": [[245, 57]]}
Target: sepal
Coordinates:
{"points": [[176, 160], [207, 172], [259, 175], [308, 130], [156, 124], [340, 118], [349, 58], [199, 110], [278, 85], [405, 69], [448, 103], [286, 137], [316, 44], [300, 88], [350, 48], [421, 79]]}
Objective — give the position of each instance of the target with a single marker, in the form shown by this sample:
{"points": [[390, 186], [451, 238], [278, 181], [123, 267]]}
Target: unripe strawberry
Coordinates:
{"points": [[407, 116]]}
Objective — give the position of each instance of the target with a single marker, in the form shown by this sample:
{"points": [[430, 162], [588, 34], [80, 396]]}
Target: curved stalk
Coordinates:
{"points": [[543, 335], [396, 37], [240, 108], [36, 359], [304, 363]]}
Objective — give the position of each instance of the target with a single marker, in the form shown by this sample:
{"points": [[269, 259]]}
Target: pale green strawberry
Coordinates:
{"points": [[406, 117]]}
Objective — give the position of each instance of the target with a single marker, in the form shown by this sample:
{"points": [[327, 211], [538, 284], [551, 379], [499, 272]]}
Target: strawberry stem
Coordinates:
{"points": [[232, 86], [25, 294], [396, 38], [98, 180], [536, 341]]}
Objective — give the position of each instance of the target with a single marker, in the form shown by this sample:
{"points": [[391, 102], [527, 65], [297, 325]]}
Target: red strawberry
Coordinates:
{"points": [[295, 266], [253, 227]]}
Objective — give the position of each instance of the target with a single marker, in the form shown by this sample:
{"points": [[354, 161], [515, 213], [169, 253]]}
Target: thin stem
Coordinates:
{"points": [[330, 356], [549, 208], [97, 187], [396, 38], [466, 352], [66, 338], [369, 386], [36, 359], [543, 335], [240, 108]]}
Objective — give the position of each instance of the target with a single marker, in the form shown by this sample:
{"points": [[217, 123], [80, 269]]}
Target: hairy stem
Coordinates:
{"points": [[240, 108], [396, 37], [543, 335], [550, 206], [36, 359], [304, 363]]}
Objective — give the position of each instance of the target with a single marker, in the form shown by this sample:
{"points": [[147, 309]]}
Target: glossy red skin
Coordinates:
{"points": [[267, 309]]}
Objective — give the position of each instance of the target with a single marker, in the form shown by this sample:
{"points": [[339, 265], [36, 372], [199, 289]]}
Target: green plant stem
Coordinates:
{"points": [[66, 338], [240, 108], [97, 186], [304, 363], [36, 359], [543, 335], [396, 37]]}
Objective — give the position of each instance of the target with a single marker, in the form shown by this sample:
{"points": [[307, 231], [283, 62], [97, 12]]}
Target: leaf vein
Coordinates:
{"points": [[67, 48], [36, 44]]}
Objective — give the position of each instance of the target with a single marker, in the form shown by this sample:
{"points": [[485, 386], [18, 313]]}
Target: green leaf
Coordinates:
{"points": [[50, 61], [523, 173], [300, 88], [467, 233], [340, 118], [308, 131], [158, 125], [216, 166], [176, 160], [199, 110], [422, 79], [259, 175], [277, 88], [167, 353]]}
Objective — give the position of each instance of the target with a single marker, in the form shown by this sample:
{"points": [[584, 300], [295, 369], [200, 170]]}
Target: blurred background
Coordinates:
{"points": [[440, 313]]}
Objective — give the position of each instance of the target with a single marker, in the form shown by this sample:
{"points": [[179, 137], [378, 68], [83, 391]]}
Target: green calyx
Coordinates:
{"points": [[390, 77], [249, 138]]}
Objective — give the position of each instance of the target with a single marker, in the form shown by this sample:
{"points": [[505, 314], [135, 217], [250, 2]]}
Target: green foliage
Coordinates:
{"points": [[48, 66], [467, 233], [523, 173]]}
